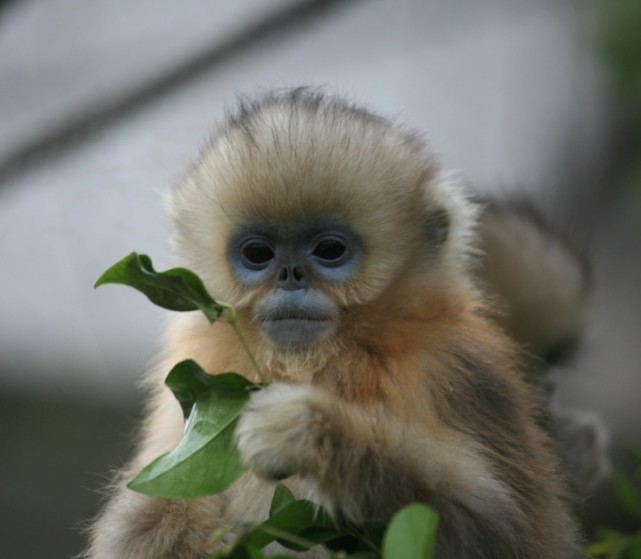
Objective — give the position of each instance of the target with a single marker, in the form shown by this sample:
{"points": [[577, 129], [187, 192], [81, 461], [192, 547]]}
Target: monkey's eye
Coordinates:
{"points": [[256, 254], [331, 251]]}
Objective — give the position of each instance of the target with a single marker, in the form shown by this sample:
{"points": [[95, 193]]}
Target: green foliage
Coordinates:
{"points": [[611, 544], [206, 461], [411, 533], [291, 522], [628, 494], [300, 525], [177, 289], [189, 382]]}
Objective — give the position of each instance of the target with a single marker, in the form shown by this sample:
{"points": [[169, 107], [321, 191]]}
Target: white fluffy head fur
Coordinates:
{"points": [[298, 154]]}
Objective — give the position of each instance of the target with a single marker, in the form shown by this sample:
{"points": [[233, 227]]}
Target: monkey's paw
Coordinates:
{"points": [[281, 431]]}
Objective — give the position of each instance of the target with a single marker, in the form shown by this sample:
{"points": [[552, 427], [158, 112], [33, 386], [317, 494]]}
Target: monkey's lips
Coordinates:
{"points": [[297, 331]]}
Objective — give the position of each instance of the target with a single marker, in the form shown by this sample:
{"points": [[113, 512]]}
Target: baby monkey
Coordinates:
{"points": [[347, 251]]}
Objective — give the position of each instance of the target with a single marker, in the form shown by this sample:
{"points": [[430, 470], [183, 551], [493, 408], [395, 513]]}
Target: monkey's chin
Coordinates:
{"points": [[297, 333]]}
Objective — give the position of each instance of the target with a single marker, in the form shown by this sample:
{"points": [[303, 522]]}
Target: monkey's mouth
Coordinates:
{"points": [[293, 329]]}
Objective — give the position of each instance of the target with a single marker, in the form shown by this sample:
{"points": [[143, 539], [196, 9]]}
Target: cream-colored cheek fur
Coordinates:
{"points": [[201, 236]]}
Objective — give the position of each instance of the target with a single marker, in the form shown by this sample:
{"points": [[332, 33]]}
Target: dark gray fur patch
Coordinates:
{"points": [[437, 227]]}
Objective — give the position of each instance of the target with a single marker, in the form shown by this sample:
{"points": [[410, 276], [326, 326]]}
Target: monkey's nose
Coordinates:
{"points": [[291, 278]]}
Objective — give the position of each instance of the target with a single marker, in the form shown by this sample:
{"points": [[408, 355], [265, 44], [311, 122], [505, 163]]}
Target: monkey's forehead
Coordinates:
{"points": [[290, 162], [288, 187]]}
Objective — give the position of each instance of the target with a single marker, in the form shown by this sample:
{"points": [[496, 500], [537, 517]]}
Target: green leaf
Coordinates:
{"points": [[369, 534], [634, 550], [282, 497], [608, 543], [629, 495], [293, 518], [284, 526], [254, 552], [206, 461], [177, 289], [188, 382], [411, 534]]}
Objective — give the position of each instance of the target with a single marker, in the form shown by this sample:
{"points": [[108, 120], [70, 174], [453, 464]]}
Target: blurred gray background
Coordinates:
{"points": [[104, 104]]}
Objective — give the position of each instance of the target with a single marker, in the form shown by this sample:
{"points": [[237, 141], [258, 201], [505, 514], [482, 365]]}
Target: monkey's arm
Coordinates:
{"points": [[134, 526], [369, 464]]}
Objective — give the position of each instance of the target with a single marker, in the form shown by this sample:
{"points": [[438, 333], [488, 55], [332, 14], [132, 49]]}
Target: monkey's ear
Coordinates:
{"points": [[437, 226]]}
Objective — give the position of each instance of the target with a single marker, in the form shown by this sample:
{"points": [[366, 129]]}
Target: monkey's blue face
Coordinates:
{"points": [[294, 260]]}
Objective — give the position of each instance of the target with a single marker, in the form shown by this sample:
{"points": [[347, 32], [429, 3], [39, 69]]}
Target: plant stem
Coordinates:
{"points": [[291, 538], [287, 536], [260, 374]]}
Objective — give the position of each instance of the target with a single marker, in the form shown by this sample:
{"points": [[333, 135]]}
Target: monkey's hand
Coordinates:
{"points": [[348, 456], [362, 461], [282, 431]]}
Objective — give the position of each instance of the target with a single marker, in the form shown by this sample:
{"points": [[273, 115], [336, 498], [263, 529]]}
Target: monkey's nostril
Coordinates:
{"points": [[292, 276]]}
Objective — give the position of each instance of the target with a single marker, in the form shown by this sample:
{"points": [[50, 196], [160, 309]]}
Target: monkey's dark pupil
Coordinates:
{"points": [[329, 250], [258, 253]]}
